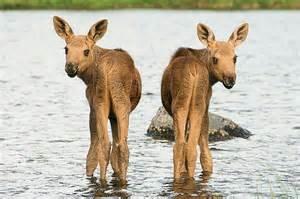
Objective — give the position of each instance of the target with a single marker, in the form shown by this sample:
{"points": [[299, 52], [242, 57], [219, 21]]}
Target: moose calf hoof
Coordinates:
{"points": [[91, 179], [179, 180], [206, 173], [123, 182], [177, 176], [103, 182], [89, 174], [115, 174]]}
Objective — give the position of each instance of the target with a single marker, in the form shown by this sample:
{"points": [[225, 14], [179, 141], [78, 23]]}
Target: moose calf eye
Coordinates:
{"points": [[66, 50], [215, 60], [86, 52], [234, 59]]}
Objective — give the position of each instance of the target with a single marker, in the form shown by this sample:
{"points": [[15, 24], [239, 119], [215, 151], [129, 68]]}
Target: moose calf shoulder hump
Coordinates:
{"points": [[186, 90], [113, 91]]}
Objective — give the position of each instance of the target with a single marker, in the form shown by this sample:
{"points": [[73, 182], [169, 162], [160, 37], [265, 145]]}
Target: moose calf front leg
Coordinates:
{"points": [[104, 144], [92, 156], [205, 156]]}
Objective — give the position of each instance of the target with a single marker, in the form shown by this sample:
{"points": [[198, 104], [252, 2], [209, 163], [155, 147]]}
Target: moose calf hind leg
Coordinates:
{"points": [[123, 160], [191, 148], [179, 123], [103, 157], [205, 155], [114, 157], [122, 147], [191, 157], [178, 159]]}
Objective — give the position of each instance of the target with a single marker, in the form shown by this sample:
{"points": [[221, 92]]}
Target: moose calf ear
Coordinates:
{"points": [[205, 35], [97, 31], [239, 35], [62, 28]]}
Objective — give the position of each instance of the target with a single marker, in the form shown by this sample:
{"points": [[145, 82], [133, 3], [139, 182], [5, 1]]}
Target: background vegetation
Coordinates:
{"points": [[164, 4]]}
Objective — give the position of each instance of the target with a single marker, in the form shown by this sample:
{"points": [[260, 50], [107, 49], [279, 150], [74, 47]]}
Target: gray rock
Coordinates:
{"points": [[220, 128]]}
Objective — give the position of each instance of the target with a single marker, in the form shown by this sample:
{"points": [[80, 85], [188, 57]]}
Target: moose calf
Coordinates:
{"points": [[186, 90], [113, 91]]}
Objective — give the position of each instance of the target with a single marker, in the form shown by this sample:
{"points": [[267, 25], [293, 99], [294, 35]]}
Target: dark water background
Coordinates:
{"points": [[44, 133]]}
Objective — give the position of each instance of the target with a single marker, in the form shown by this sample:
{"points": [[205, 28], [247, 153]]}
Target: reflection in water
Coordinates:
{"points": [[191, 188], [104, 189]]}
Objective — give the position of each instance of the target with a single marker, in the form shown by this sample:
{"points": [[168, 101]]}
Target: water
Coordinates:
{"points": [[44, 114]]}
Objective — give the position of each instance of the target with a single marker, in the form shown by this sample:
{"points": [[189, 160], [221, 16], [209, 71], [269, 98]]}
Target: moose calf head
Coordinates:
{"points": [[79, 48], [222, 54]]}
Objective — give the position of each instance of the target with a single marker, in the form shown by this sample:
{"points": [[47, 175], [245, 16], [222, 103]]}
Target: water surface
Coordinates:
{"points": [[44, 114]]}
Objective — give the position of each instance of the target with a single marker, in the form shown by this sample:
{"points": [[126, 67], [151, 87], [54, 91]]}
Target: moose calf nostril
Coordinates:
{"points": [[229, 82], [72, 68]]}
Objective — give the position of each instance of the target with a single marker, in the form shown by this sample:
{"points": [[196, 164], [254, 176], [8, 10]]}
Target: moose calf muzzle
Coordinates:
{"points": [[71, 69]]}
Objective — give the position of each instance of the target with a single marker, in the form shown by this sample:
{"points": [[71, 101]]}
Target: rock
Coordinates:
{"points": [[220, 128]]}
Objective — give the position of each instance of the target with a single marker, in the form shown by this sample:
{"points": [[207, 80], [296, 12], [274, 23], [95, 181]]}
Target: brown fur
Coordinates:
{"points": [[186, 90], [113, 91]]}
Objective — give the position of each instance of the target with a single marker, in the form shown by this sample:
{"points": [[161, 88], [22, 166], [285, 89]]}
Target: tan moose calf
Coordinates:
{"points": [[113, 91], [186, 90]]}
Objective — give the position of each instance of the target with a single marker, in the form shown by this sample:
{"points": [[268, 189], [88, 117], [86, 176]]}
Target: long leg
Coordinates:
{"points": [[123, 156], [205, 156], [197, 111], [179, 124], [195, 120], [123, 147], [104, 144], [114, 153], [180, 109], [92, 156], [121, 106]]}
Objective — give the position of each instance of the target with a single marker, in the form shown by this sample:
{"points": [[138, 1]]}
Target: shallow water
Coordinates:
{"points": [[44, 114]]}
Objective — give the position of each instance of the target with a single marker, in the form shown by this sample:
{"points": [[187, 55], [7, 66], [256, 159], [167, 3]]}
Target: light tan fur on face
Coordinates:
{"points": [[76, 47], [113, 91], [186, 90]]}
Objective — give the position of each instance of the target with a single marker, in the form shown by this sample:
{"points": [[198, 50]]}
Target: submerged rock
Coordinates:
{"points": [[220, 128]]}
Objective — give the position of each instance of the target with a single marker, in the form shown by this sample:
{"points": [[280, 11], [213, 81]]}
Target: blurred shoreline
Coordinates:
{"points": [[150, 4]]}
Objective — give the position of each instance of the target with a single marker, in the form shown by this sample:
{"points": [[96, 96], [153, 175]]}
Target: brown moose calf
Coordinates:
{"points": [[113, 91], [186, 90]]}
